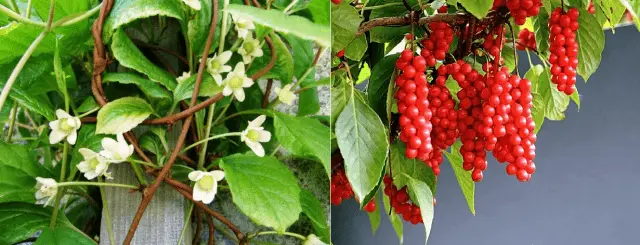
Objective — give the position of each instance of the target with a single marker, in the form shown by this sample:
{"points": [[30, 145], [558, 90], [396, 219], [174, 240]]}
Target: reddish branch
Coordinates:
{"points": [[267, 92], [196, 237], [405, 20], [212, 230], [99, 56]]}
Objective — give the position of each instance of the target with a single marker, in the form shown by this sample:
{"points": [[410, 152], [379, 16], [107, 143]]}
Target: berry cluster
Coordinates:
{"points": [[521, 9], [436, 46], [413, 105], [526, 40], [494, 42], [340, 187], [336, 1], [400, 202], [563, 48]]}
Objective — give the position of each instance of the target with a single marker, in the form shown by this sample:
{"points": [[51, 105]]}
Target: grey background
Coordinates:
{"points": [[585, 190]]}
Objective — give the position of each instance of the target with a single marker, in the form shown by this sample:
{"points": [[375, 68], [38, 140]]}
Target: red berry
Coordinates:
{"points": [[340, 53]]}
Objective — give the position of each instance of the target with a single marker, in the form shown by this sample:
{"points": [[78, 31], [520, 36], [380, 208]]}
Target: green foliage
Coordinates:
{"points": [[424, 199], [312, 208], [21, 220], [479, 8], [375, 216], [283, 69], [590, 39], [18, 170], [344, 24], [121, 115], [264, 189], [378, 84], [467, 186], [125, 12], [62, 235], [304, 137]]}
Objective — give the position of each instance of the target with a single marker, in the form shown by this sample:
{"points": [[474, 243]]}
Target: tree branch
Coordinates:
{"points": [[405, 20]]}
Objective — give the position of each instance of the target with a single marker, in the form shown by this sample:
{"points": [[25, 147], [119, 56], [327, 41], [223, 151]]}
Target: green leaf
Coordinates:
{"points": [[151, 142], [339, 98], [547, 6], [125, 12], [357, 48], [121, 115], [378, 84], [16, 38], [304, 137], [312, 208], [453, 87], [87, 138], [374, 217], [208, 88], [388, 34], [479, 8], [181, 172], [424, 198], [61, 236], [18, 170], [309, 103], [198, 27], [537, 111], [303, 54], [283, 69], [509, 57], [39, 103], [404, 168], [148, 87], [395, 220], [591, 44], [556, 102], [59, 72], [362, 139], [20, 220], [576, 98], [88, 104], [264, 189], [613, 9], [126, 52], [320, 12], [541, 30], [345, 21], [281, 22], [467, 186]]}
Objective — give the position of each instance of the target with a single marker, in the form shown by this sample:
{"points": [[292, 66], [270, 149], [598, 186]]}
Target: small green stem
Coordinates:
{"points": [[209, 139], [275, 150], [28, 13], [291, 234], [14, 113], [13, 15], [382, 6], [107, 215], [142, 162], [89, 112], [14, 5], [63, 170], [289, 7], [223, 28], [84, 16], [239, 114], [207, 132], [224, 110], [186, 222], [103, 184], [138, 171]]}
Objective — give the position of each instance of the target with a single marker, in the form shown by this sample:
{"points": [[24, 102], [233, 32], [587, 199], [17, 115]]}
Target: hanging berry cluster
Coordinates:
{"points": [[564, 48], [526, 40], [521, 9], [341, 189], [399, 200]]}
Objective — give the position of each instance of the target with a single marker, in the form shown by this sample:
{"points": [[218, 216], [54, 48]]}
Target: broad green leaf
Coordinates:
{"points": [[36, 77], [424, 198], [208, 88], [62, 236], [340, 96], [79, 211], [181, 172], [38, 103], [283, 69], [320, 12], [395, 220], [479, 8], [281, 22], [312, 208], [379, 84], [388, 34], [18, 170], [613, 9], [556, 102], [453, 87], [151, 142], [16, 38], [374, 217], [304, 137], [20, 220], [576, 98], [126, 52], [362, 139], [591, 44], [88, 104], [125, 12], [364, 74], [264, 189], [509, 57], [533, 74], [148, 87], [537, 111], [283, 4], [345, 21], [308, 103], [467, 186], [198, 27], [546, 4], [404, 168], [303, 55], [59, 72], [121, 115], [541, 30], [87, 138], [357, 48]]}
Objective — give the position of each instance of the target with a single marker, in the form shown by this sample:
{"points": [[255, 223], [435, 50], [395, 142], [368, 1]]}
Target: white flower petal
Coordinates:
{"points": [[121, 139], [62, 114], [239, 94], [264, 136], [196, 175], [110, 146], [217, 175], [198, 194], [56, 136], [210, 195], [87, 153], [247, 82], [239, 68], [227, 90], [225, 57], [91, 175], [258, 52], [83, 166], [225, 69], [258, 121], [217, 78], [256, 148], [54, 125], [72, 137]]}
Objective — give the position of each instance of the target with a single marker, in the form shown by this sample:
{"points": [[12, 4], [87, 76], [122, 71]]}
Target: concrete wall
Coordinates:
{"points": [[585, 190]]}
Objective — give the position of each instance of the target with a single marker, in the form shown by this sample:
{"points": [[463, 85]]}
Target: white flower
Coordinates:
{"points": [[313, 240], [116, 151], [244, 27], [254, 134], [217, 65], [94, 164], [47, 190], [249, 49], [285, 94], [236, 81], [65, 127], [194, 4], [206, 185], [185, 75]]}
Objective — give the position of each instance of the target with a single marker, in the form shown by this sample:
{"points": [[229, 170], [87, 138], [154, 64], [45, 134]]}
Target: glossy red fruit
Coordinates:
{"points": [[371, 206], [340, 54]]}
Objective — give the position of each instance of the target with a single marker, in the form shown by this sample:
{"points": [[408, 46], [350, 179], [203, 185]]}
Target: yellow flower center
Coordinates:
{"points": [[248, 46], [64, 125], [215, 64], [241, 25], [235, 82], [93, 163], [253, 135], [206, 183]]}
